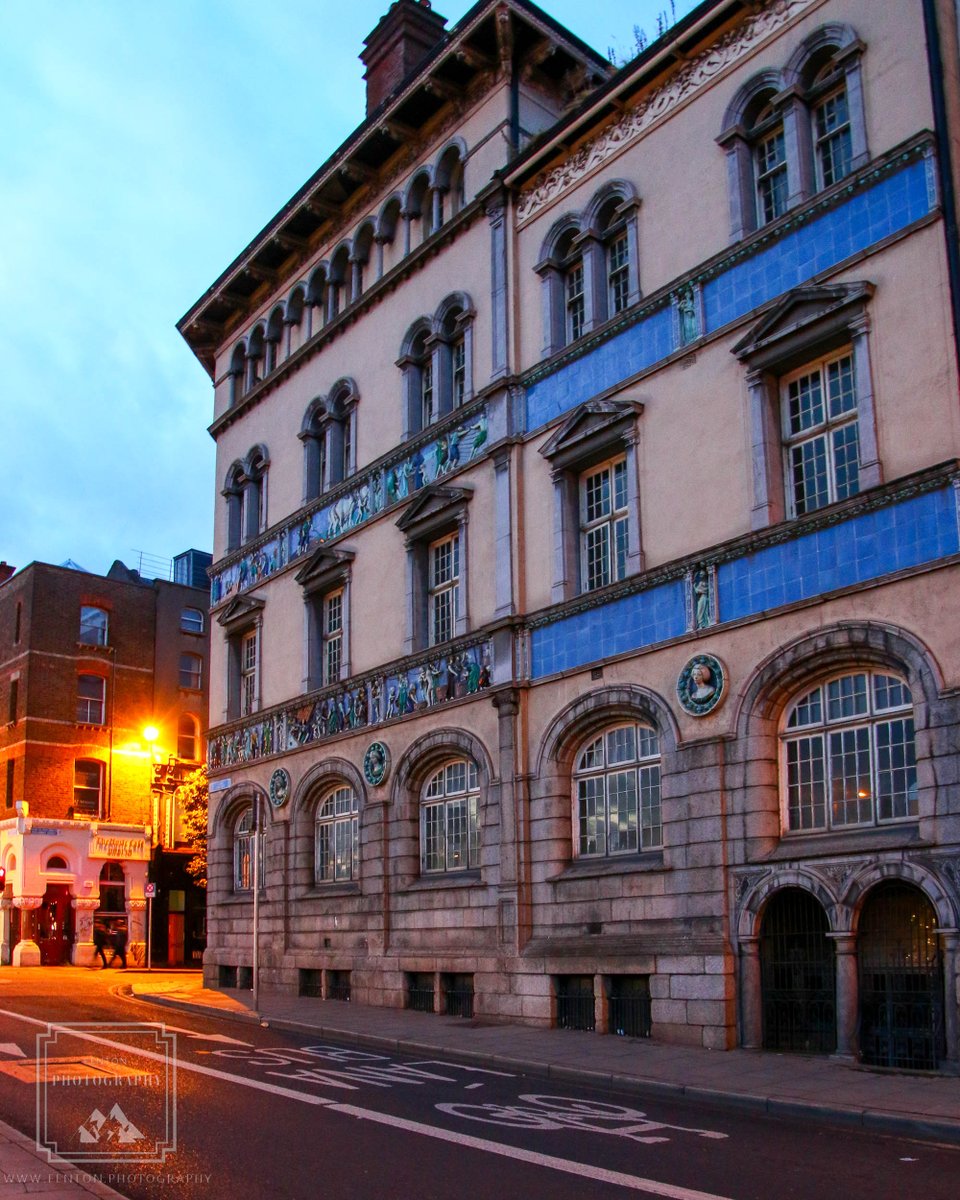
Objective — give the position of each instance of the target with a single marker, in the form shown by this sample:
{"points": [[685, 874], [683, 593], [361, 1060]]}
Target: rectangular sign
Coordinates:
{"points": [[105, 845]]}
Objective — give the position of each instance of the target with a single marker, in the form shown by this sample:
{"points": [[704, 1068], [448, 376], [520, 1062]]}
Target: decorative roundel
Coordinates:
{"points": [[376, 763], [702, 685], [279, 787]]}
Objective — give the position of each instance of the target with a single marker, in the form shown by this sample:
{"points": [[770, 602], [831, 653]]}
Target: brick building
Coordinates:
{"points": [[88, 663], [586, 542]]}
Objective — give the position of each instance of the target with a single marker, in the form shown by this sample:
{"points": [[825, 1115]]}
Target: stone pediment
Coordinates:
{"points": [[433, 503], [324, 566], [240, 610], [804, 308], [595, 424]]}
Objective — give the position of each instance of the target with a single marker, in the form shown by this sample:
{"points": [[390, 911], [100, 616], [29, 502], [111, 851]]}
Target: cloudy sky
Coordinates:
{"points": [[144, 145]]}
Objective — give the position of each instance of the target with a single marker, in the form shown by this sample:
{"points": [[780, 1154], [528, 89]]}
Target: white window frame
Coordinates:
{"points": [[443, 588], [249, 673], [91, 709], [826, 433], [864, 723], [612, 525], [450, 819], [94, 626], [337, 837], [192, 620], [79, 808], [191, 671], [331, 635], [604, 761]]}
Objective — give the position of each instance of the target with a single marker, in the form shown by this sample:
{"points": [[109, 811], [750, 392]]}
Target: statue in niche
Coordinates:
{"points": [[424, 687], [687, 314], [392, 703], [303, 537], [376, 691], [442, 454], [393, 486], [480, 435], [433, 688], [701, 598], [453, 451]]}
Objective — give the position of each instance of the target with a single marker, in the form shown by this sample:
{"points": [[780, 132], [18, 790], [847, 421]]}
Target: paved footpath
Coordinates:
{"points": [[779, 1084]]}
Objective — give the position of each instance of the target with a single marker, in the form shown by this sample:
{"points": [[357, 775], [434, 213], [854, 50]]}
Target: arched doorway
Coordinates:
{"points": [[797, 975], [901, 980], [55, 925]]}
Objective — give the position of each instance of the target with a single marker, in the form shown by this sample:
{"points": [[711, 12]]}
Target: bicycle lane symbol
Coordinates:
{"points": [[551, 1113]]}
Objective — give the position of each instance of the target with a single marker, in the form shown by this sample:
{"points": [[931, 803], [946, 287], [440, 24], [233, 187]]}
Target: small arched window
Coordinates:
{"points": [[191, 620], [450, 819], [849, 757], [274, 341], [617, 792], [56, 862], [337, 853], [255, 358], [237, 373]]}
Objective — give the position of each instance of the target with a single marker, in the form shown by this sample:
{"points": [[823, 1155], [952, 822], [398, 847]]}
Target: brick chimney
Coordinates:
{"points": [[398, 45], [6, 571]]}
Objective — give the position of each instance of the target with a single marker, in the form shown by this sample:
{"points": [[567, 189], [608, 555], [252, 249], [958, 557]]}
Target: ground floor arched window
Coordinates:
{"points": [[112, 891], [901, 980], [797, 975]]}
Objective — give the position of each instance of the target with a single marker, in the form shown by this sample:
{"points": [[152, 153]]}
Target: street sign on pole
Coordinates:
{"points": [[149, 890]]}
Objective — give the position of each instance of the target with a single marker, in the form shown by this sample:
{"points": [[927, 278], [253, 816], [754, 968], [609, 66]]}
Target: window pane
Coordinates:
{"points": [[597, 495], [622, 802], [592, 816], [648, 745], [834, 142], [805, 403], [591, 756], [896, 769], [456, 821], [890, 692], [597, 547], [191, 669], [191, 620], [432, 837], [93, 626], [90, 696], [622, 745], [846, 461], [808, 467], [840, 386], [850, 788], [846, 697], [807, 711], [806, 803], [651, 826]]}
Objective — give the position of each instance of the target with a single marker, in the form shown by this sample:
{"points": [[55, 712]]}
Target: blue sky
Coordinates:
{"points": [[143, 147]]}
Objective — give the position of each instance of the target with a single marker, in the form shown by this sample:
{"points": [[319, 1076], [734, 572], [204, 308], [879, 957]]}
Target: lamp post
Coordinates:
{"points": [[151, 733]]}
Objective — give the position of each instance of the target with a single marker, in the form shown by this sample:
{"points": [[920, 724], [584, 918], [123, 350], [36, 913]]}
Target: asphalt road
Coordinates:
{"points": [[236, 1110]]}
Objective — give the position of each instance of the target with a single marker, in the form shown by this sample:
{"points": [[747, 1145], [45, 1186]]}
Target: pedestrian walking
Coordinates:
{"points": [[118, 941], [100, 937]]}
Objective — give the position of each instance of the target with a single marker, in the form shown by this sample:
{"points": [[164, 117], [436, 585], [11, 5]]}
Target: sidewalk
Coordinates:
{"points": [[778, 1084]]}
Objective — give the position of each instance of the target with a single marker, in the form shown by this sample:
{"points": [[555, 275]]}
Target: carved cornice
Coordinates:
{"points": [[695, 74]]}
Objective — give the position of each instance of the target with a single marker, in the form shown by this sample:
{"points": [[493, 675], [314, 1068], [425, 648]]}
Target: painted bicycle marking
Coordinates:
{"points": [[549, 1113]]}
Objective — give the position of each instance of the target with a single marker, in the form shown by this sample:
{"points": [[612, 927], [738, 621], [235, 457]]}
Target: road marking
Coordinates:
{"points": [[636, 1183], [11, 1050], [203, 1037]]}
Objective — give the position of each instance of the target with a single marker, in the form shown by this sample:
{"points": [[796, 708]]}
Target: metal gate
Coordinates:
{"points": [[901, 980], [797, 976]]}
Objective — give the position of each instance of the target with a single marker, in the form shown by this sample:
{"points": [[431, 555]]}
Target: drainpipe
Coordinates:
{"points": [[944, 164]]}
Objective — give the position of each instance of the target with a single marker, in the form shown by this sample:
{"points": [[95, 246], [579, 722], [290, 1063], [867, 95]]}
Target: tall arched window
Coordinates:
{"points": [[188, 738], [450, 819], [112, 890], [243, 840], [237, 373], [617, 792], [337, 853], [849, 757]]}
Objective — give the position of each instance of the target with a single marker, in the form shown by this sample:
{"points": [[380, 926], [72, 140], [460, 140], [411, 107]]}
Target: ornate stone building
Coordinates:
{"points": [[587, 536], [88, 664]]}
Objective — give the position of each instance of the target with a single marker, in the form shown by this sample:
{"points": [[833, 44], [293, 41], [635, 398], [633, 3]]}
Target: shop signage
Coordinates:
{"points": [[103, 845]]}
